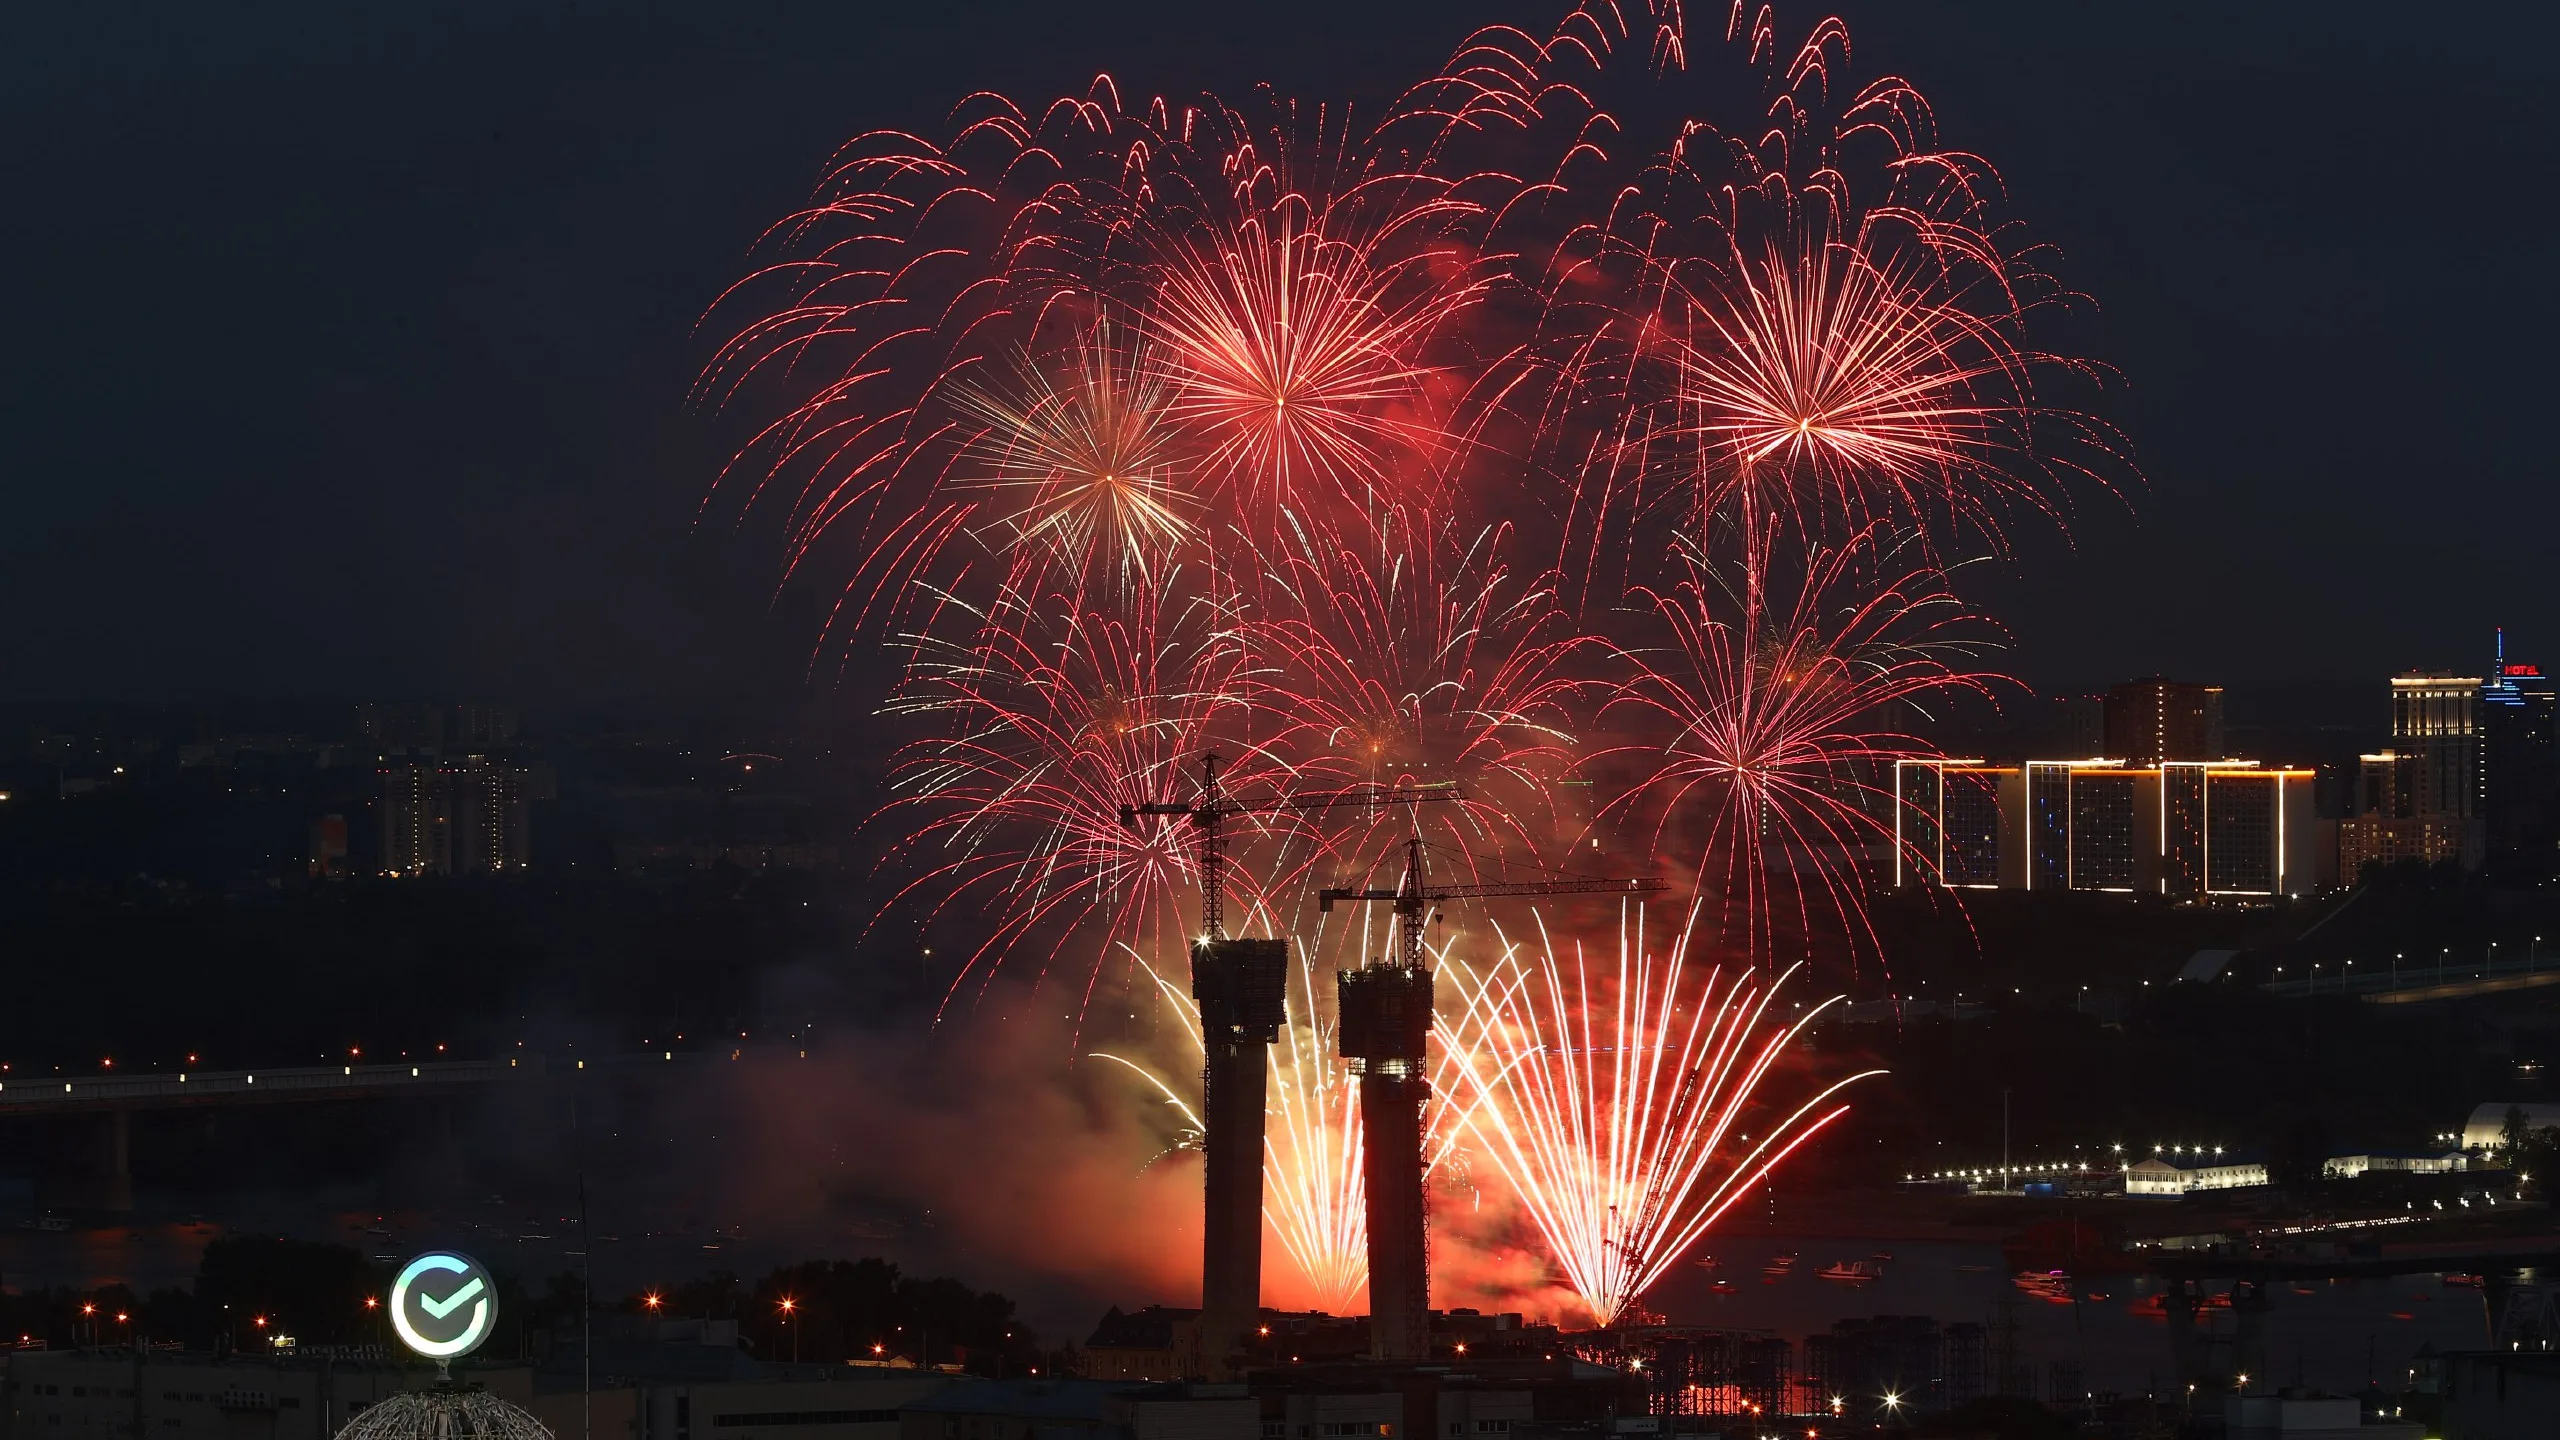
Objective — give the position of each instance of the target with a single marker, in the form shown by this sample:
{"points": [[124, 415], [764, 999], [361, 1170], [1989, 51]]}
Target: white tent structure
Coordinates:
{"points": [[2488, 1124]]}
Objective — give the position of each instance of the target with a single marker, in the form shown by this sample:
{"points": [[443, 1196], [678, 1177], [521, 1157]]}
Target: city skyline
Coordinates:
{"points": [[1497, 721]]}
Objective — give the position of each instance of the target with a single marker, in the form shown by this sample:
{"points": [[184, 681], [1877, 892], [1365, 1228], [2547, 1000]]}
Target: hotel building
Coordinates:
{"points": [[2423, 799]]}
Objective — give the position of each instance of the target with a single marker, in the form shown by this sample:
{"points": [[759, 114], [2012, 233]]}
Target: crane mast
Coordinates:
{"points": [[1209, 812], [1411, 898]]}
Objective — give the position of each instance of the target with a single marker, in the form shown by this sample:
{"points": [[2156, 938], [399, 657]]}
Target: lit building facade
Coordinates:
{"points": [[2423, 799], [459, 818], [417, 820], [2435, 740], [2187, 829], [490, 830], [2166, 1177]]}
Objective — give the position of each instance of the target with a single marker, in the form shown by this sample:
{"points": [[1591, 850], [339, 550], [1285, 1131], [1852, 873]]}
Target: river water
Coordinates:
{"points": [[2334, 1334]]}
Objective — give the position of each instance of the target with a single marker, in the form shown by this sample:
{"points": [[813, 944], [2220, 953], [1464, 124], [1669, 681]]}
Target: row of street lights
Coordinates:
{"points": [[2488, 965]]}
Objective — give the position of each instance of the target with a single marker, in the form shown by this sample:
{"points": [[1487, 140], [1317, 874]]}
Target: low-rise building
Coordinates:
{"points": [[2298, 1414], [2405, 1162], [2487, 1127], [2161, 1175], [123, 1393], [1160, 1342]]}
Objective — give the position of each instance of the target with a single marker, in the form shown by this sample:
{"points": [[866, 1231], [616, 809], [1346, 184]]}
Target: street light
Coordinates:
{"points": [[790, 1307]]}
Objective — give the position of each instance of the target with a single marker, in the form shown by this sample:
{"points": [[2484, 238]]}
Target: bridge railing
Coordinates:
{"points": [[97, 1089]]}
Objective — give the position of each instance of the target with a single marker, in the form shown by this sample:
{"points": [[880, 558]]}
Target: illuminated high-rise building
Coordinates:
{"points": [[2435, 737], [490, 831], [2187, 829], [417, 820], [2423, 799], [2156, 719], [1953, 819]]}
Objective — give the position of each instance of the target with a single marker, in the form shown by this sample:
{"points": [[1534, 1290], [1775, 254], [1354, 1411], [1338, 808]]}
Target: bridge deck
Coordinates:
{"points": [[186, 1088]]}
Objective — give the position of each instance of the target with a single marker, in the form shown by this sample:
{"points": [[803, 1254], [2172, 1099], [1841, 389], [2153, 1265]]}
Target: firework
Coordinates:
{"points": [[1816, 379], [1297, 353], [1786, 695], [1624, 379], [1051, 717], [1415, 654], [1792, 289], [1079, 446], [864, 311], [1611, 1098]]}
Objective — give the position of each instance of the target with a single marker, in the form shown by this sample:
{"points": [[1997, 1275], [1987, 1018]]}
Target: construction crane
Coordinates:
{"points": [[1411, 897], [1210, 811]]}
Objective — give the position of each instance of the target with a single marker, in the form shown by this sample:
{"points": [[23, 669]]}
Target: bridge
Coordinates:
{"points": [[117, 1098], [2516, 1307], [2393, 980], [2499, 1255], [122, 1094]]}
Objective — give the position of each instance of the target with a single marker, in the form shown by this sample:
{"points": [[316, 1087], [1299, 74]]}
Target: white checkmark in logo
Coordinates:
{"points": [[441, 1308], [463, 1318]]}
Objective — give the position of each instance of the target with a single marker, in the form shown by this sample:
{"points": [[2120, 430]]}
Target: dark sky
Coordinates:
{"points": [[345, 345]]}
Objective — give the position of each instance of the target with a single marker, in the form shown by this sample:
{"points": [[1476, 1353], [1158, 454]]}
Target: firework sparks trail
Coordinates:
{"points": [[1054, 717], [1286, 295], [862, 312], [1609, 1097], [1784, 709], [1419, 656], [1841, 386], [1789, 284]]}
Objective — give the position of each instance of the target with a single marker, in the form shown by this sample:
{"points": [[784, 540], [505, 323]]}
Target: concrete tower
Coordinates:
{"points": [[1385, 1026], [1240, 986]]}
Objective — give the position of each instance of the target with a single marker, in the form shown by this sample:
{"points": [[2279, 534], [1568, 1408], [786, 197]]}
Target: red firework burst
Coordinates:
{"points": [[1051, 718], [1825, 381], [1413, 654], [1784, 707], [1298, 351]]}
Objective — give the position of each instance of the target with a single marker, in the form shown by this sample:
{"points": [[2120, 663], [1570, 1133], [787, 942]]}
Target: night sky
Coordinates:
{"points": [[346, 345]]}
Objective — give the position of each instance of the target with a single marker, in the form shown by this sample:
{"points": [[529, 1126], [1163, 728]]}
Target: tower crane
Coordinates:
{"points": [[1209, 812], [1411, 896], [1240, 987]]}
